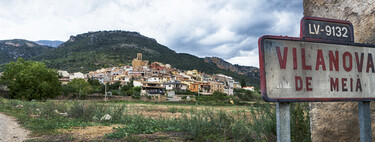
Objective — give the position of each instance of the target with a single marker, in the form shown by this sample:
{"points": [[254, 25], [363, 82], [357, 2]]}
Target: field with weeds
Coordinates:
{"points": [[145, 121]]}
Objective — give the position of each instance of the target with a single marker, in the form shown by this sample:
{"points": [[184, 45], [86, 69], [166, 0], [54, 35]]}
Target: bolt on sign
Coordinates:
{"points": [[322, 65]]}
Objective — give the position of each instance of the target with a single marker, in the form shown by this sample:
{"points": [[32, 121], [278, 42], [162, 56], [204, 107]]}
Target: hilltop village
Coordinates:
{"points": [[159, 79]]}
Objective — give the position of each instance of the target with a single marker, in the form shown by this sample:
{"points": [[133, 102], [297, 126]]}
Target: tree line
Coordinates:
{"points": [[31, 80]]}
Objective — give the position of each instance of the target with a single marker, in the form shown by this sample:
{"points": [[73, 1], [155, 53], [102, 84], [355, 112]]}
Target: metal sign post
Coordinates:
{"points": [[365, 121], [283, 121], [322, 65]]}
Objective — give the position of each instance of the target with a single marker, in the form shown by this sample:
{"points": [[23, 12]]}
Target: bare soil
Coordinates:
{"points": [[10, 130]]}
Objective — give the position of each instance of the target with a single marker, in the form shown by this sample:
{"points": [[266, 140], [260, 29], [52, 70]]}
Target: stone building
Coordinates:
{"points": [[138, 63]]}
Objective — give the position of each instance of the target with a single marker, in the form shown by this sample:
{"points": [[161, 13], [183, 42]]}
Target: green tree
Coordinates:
{"points": [[78, 87], [127, 86], [135, 92], [243, 83], [93, 82], [96, 86], [220, 96], [246, 95], [29, 80], [114, 86]]}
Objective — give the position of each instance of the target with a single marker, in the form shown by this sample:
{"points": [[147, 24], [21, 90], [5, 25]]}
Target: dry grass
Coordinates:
{"points": [[88, 133], [159, 136], [152, 111], [157, 110]]}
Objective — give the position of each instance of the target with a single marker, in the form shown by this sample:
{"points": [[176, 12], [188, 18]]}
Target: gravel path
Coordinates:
{"points": [[10, 130]]}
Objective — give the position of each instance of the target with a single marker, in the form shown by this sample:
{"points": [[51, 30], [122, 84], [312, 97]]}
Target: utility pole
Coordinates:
{"points": [[196, 99], [105, 91]]}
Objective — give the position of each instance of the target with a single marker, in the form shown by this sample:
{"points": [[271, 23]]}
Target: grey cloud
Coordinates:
{"points": [[262, 21], [228, 29]]}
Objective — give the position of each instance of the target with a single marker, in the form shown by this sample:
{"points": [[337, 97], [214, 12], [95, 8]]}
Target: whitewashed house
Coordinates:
{"points": [[77, 75], [153, 79]]}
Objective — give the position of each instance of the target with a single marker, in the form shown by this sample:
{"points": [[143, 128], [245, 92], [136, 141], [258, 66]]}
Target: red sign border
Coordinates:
{"points": [[302, 28], [263, 73]]}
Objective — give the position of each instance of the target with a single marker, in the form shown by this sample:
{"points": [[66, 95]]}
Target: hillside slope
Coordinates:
{"points": [[249, 71], [94, 50], [10, 50]]}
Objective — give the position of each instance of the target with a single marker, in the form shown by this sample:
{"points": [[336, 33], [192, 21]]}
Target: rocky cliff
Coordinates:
{"points": [[339, 121], [252, 72]]}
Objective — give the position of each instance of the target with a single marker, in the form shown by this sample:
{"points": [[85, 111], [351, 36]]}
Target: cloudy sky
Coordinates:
{"points": [[228, 29]]}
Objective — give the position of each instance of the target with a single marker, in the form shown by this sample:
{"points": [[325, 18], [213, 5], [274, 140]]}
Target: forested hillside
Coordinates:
{"points": [[94, 50]]}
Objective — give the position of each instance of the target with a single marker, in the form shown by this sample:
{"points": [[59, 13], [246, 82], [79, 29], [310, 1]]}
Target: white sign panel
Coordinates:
{"points": [[297, 70]]}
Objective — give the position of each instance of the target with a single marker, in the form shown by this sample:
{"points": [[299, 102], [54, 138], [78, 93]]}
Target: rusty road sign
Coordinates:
{"points": [[293, 69]]}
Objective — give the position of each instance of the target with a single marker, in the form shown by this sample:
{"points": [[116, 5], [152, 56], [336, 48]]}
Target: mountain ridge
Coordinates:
{"points": [[94, 50], [239, 69], [12, 49]]}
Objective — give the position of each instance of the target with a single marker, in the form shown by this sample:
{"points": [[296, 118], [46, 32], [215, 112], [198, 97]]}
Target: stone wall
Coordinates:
{"points": [[338, 121]]}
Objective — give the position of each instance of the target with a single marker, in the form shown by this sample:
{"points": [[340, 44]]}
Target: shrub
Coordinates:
{"points": [[115, 92], [78, 87], [93, 82], [184, 97], [172, 110], [197, 124], [30, 80], [187, 92], [48, 110], [300, 122], [114, 86], [218, 98], [136, 97], [98, 89], [135, 92], [77, 110], [264, 122], [149, 97], [127, 86], [246, 95]]}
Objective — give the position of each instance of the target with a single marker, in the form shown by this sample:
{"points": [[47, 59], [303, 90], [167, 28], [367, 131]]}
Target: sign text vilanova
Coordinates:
{"points": [[324, 64]]}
